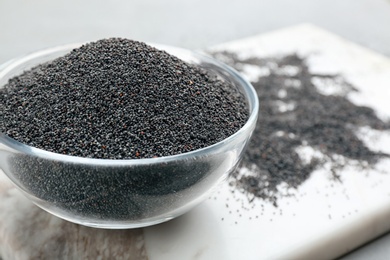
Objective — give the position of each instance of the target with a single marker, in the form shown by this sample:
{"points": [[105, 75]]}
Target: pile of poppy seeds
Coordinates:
{"points": [[294, 113], [120, 99]]}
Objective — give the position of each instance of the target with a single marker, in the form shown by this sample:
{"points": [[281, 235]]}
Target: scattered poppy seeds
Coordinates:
{"points": [[294, 113]]}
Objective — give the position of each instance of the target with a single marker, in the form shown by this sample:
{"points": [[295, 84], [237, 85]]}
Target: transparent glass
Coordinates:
{"points": [[123, 193]]}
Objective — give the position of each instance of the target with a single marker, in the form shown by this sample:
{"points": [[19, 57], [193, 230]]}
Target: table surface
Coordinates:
{"points": [[28, 26]]}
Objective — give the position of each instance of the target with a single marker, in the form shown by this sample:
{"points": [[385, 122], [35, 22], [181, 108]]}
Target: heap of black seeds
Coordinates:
{"points": [[326, 123], [116, 99]]}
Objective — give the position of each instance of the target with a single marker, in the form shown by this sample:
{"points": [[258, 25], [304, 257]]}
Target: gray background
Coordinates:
{"points": [[30, 25]]}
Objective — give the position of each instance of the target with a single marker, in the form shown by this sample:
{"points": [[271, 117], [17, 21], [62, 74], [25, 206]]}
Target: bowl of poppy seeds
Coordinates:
{"points": [[121, 134]]}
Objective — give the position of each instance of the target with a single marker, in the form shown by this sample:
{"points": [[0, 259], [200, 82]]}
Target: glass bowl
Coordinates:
{"points": [[123, 193]]}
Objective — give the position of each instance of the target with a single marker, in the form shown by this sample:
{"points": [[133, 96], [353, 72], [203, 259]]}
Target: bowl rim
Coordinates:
{"points": [[249, 93]]}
